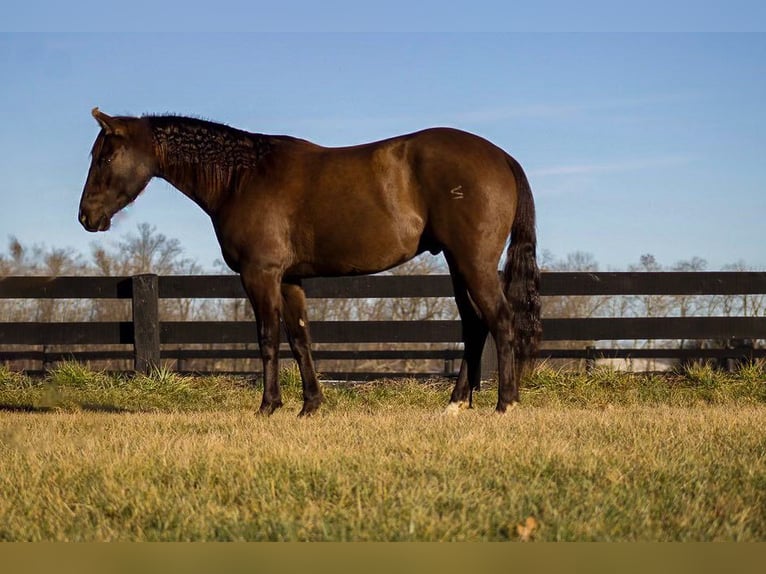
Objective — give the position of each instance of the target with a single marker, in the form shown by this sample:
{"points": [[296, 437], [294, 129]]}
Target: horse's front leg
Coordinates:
{"points": [[296, 321], [263, 289]]}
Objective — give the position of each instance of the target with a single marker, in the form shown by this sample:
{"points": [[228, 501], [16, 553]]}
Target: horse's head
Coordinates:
{"points": [[123, 162]]}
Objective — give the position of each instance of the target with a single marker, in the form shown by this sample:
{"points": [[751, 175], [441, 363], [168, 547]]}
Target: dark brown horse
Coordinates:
{"points": [[284, 209]]}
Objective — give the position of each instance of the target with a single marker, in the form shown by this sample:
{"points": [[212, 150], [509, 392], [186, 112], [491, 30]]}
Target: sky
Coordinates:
{"points": [[634, 142]]}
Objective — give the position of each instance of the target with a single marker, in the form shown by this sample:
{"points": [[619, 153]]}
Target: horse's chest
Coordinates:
{"points": [[246, 233]]}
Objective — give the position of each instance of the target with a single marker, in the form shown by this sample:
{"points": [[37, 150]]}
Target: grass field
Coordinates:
{"points": [[608, 456]]}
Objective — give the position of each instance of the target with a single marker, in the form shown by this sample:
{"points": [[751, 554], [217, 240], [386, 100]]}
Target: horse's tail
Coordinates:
{"points": [[522, 276]]}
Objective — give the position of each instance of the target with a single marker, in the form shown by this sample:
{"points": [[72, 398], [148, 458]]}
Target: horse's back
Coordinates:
{"points": [[436, 189], [366, 208]]}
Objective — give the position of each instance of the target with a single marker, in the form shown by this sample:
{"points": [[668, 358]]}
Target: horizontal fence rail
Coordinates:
{"points": [[223, 332], [147, 334], [391, 286]]}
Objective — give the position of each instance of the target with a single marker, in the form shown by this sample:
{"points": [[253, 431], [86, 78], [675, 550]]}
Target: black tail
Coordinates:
{"points": [[522, 276]]}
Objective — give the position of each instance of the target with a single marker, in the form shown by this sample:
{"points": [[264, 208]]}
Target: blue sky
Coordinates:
{"points": [[633, 142]]}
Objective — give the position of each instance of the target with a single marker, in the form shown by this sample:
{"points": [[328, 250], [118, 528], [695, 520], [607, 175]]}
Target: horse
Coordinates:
{"points": [[284, 209]]}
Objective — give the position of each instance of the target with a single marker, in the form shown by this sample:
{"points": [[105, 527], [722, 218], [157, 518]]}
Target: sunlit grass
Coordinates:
{"points": [[71, 385], [603, 456]]}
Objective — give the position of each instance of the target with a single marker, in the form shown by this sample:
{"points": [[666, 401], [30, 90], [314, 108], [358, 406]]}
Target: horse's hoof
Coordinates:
{"points": [[501, 409], [311, 405], [308, 410], [453, 409], [268, 409]]}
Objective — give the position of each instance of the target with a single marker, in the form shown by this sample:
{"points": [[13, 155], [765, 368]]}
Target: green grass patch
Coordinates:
{"points": [[72, 386]]}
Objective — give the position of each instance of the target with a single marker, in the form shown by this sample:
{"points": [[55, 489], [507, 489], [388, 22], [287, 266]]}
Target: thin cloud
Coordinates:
{"points": [[537, 111], [373, 125], [611, 167], [570, 110]]}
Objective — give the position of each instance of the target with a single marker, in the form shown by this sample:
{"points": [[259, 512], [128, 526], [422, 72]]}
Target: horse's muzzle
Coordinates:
{"points": [[101, 224]]}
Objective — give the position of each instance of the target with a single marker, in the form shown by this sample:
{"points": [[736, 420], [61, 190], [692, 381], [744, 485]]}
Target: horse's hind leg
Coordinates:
{"points": [[474, 335], [486, 292], [297, 325]]}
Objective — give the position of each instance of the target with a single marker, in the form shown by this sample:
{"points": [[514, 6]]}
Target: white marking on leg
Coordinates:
{"points": [[453, 409], [301, 322], [510, 407]]}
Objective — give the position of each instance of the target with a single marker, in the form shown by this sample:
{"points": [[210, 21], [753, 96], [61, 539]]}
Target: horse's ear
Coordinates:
{"points": [[109, 124]]}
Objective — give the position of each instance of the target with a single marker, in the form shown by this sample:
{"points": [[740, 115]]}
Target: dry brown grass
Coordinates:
{"points": [[407, 473]]}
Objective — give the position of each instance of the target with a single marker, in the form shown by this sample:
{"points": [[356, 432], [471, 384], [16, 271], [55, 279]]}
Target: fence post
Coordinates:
{"points": [[146, 324]]}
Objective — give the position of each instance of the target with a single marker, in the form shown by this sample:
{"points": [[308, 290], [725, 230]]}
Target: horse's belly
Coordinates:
{"points": [[361, 244]]}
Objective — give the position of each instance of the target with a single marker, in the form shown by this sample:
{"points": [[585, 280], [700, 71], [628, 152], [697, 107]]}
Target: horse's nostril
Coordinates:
{"points": [[104, 223]]}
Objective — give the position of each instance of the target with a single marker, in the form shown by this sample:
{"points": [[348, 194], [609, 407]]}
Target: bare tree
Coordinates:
{"points": [[744, 305], [572, 306], [147, 251], [39, 260]]}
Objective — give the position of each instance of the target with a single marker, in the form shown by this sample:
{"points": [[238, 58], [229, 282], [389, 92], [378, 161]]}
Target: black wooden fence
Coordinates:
{"points": [[153, 341]]}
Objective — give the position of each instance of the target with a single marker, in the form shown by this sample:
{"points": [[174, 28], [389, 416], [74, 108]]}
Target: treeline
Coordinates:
{"points": [[143, 251], [648, 305], [652, 305], [146, 250]]}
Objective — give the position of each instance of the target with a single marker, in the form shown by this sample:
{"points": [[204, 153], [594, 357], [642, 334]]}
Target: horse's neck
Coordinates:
{"points": [[201, 160]]}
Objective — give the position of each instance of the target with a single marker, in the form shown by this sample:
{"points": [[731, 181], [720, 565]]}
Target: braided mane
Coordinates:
{"points": [[184, 140]]}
